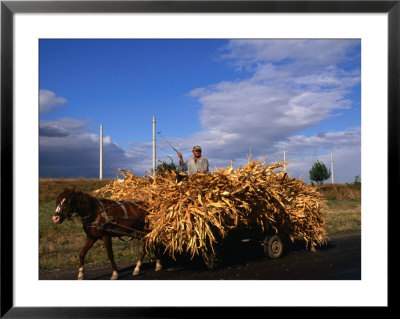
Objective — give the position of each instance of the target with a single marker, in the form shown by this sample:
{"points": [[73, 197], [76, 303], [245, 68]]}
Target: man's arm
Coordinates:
{"points": [[205, 165], [182, 165]]}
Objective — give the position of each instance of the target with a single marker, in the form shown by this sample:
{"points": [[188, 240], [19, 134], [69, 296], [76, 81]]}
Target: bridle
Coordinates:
{"points": [[59, 209]]}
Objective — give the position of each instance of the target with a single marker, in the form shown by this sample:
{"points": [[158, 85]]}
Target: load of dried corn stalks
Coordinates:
{"points": [[190, 215]]}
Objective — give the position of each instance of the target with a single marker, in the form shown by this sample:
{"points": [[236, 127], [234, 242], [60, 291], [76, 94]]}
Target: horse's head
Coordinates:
{"points": [[65, 205]]}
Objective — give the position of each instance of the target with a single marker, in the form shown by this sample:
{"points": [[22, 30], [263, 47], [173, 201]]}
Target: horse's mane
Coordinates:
{"points": [[85, 203]]}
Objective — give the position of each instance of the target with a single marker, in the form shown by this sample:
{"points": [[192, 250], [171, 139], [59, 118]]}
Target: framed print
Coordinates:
{"points": [[368, 77]]}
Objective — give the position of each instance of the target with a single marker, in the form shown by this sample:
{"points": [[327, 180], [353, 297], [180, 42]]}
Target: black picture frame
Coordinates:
{"points": [[9, 8]]}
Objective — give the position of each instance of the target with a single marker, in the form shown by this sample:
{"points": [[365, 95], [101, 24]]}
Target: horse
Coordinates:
{"points": [[103, 219]]}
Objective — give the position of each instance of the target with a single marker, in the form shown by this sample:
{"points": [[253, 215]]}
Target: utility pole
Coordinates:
{"points": [[284, 160], [154, 144], [101, 152], [332, 167]]}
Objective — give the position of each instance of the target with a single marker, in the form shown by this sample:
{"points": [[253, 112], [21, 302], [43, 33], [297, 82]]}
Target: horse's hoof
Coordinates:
{"points": [[158, 265], [158, 268], [114, 276], [80, 273], [136, 272]]}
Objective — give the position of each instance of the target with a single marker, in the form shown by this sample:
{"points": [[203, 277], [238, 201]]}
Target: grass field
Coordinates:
{"points": [[59, 245]]}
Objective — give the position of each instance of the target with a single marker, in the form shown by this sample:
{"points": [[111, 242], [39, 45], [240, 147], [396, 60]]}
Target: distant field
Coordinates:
{"points": [[59, 245], [341, 191], [49, 188]]}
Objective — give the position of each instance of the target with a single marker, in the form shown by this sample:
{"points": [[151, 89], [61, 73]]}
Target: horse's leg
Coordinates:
{"points": [[158, 265], [136, 271], [89, 243], [108, 244], [158, 259]]}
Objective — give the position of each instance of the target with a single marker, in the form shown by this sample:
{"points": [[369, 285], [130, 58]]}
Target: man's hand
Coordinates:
{"points": [[179, 155]]}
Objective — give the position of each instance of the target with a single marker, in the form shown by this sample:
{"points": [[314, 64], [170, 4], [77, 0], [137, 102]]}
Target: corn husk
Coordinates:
{"points": [[189, 214], [126, 188]]}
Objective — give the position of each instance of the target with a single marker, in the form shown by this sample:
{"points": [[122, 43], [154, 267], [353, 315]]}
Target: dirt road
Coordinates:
{"points": [[340, 259]]}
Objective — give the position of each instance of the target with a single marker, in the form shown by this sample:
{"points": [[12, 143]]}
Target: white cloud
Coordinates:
{"points": [[329, 140], [292, 54], [48, 101], [303, 151], [291, 85], [346, 164]]}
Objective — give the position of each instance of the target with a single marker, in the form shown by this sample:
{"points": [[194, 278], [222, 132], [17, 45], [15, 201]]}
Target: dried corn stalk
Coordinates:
{"points": [[191, 215], [128, 187]]}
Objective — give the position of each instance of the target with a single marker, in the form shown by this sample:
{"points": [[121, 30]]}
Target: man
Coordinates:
{"points": [[197, 164]]}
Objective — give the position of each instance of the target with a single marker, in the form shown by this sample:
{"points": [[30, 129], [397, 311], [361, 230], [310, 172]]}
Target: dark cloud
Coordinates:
{"points": [[52, 131], [68, 150], [79, 156]]}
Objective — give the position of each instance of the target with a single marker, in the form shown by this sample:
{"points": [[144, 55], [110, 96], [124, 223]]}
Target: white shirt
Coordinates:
{"points": [[200, 166]]}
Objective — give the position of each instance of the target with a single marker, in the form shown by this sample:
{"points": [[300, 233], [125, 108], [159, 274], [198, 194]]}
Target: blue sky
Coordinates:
{"points": [[229, 96]]}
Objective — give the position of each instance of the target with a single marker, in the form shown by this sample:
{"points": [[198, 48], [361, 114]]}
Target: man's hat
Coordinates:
{"points": [[196, 148]]}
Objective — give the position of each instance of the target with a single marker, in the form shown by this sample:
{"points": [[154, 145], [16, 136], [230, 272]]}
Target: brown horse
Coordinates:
{"points": [[103, 219]]}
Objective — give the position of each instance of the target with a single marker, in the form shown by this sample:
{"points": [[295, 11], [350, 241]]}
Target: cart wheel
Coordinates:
{"points": [[273, 246]]}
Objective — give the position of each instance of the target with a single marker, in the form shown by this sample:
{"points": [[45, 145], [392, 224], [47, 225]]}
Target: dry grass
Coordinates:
{"points": [[343, 215], [341, 191], [50, 188]]}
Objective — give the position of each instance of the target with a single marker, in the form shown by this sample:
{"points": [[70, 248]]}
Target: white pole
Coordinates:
{"points": [[154, 144], [284, 160], [101, 152], [332, 180]]}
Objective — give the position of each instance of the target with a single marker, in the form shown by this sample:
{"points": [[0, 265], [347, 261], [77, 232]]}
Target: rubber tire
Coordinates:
{"points": [[273, 246]]}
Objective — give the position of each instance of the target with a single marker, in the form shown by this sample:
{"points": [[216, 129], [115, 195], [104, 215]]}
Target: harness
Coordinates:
{"points": [[111, 221]]}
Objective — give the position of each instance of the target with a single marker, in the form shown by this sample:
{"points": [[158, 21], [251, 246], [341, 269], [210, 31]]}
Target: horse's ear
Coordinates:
{"points": [[73, 189]]}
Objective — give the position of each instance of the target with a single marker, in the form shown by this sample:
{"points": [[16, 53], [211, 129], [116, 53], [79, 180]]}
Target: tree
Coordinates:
{"points": [[319, 172], [164, 166]]}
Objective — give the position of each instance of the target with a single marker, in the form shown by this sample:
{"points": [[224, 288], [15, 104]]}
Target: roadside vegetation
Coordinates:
{"points": [[59, 245]]}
